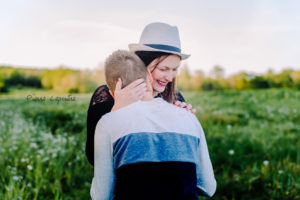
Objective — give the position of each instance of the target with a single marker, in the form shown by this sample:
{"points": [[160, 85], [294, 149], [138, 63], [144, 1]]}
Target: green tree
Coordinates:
{"points": [[217, 72], [239, 81], [184, 78]]}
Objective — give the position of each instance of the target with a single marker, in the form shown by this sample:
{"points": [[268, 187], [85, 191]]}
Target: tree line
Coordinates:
{"points": [[287, 78], [62, 79], [69, 80]]}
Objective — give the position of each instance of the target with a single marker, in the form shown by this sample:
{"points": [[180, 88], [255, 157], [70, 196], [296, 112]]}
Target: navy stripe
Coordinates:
{"points": [[155, 147], [164, 47], [159, 181]]}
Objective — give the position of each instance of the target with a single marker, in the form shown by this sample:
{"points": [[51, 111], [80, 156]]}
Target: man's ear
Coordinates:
{"points": [[111, 93], [149, 76]]}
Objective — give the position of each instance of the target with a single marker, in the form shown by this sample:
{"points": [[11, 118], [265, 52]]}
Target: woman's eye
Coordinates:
{"points": [[162, 70], [175, 70]]}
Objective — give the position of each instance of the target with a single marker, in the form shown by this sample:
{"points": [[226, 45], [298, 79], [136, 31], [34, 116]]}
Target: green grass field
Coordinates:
{"points": [[253, 139]]}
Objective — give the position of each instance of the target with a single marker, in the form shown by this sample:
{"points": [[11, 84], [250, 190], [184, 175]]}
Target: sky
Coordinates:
{"points": [[249, 35]]}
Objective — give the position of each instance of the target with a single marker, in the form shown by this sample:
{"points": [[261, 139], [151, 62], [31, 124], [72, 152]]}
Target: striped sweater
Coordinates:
{"points": [[151, 150]]}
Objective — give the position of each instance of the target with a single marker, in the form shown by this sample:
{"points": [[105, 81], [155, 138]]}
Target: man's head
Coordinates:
{"points": [[125, 65]]}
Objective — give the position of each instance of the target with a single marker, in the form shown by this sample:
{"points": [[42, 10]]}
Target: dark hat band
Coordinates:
{"points": [[164, 47]]}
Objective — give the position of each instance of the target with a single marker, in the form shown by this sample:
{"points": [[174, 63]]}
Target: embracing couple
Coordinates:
{"points": [[143, 147]]}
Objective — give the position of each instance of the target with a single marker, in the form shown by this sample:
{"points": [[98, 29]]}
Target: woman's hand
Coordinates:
{"points": [[184, 105], [130, 94]]}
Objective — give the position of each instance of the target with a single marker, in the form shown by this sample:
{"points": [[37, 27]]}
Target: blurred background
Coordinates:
{"points": [[243, 77]]}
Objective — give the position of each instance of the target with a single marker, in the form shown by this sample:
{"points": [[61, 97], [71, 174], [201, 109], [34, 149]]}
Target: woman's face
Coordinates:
{"points": [[164, 72]]}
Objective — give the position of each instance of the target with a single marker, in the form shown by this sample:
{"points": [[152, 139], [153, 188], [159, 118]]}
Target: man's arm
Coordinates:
{"points": [[103, 181], [206, 182]]}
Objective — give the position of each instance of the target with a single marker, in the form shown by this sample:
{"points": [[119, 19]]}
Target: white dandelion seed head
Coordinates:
{"points": [[41, 151], [266, 162], [29, 167], [231, 152], [33, 145], [15, 178]]}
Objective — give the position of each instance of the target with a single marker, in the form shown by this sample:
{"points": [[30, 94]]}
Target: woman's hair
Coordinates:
{"points": [[169, 94], [125, 65]]}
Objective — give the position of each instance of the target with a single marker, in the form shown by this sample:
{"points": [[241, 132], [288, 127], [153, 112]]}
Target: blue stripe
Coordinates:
{"points": [[155, 147], [164, 47]]}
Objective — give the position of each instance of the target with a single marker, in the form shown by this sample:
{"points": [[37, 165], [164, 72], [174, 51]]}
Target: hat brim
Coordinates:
{"points": [[140, 47]]}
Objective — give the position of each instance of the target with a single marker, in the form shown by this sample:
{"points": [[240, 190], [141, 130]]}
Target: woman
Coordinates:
{"points": [[160, 50]]}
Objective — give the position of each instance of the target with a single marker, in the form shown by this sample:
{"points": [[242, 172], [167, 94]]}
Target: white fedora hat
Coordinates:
{"points": [[159, 37]]}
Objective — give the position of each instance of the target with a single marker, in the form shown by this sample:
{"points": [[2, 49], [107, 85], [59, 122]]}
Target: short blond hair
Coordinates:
{"points": [[125, 65]]}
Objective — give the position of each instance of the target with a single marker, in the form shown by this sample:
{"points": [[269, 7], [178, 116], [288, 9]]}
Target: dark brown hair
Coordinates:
{"points": [[169, 94]]}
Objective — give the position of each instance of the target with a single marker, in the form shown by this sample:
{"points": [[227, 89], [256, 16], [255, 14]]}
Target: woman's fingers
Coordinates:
{"points": [[182, 105], [137, 93], [135, 83], [142, 86], [177, 103], [189, 107]]}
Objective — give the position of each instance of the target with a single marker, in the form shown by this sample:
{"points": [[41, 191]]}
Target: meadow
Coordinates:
{"points": [[253, 139]]}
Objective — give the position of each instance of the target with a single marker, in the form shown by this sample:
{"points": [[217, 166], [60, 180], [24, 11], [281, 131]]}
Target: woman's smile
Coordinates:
{"points": [[162, 84]]}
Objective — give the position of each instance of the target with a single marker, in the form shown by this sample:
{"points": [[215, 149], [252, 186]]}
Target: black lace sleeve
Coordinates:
{"points": [[179, 97], [100, 104]]}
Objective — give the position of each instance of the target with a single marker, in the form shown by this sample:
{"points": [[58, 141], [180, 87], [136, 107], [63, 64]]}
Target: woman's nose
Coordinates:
{"points": [[169, 77]]}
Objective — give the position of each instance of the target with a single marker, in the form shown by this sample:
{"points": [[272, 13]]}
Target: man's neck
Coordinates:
{"points": [[147, 97]]}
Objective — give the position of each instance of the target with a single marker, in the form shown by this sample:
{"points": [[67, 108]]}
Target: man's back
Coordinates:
{"points": [[158, 152]]}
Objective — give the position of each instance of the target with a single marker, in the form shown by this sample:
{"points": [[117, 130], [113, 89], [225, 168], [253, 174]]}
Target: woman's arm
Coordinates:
{"points": [[100, 104]]}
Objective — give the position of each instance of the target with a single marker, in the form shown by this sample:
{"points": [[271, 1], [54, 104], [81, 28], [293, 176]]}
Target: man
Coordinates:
{"points": [[149, 149]]}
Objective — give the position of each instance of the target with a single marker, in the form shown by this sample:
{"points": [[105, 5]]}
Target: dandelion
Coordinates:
{"points": [[287, 192], [41, 151], [23, 160], [280, 171], [15, 178], [29, 167], [29, 185], [266, 162], [45, 159], [33, 145], [231, 152], [295, 110], [228, 126]]}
